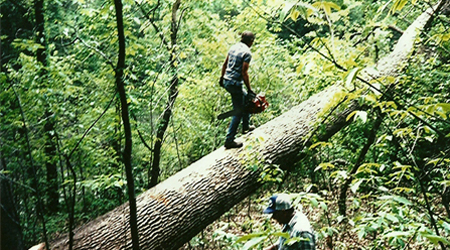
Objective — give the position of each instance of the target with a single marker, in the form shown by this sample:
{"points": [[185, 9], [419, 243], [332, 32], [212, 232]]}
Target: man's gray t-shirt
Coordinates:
{"points": [[237, 55]]}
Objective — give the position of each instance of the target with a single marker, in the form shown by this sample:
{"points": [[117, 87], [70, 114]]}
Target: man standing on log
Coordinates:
{"points": [[294, 223], [234, 73]]}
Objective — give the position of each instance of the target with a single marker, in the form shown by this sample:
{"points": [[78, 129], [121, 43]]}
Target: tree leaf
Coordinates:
{"points": [[351, 115], [324, 206], [251, 236], [436, 239], [444, 106], [398, 5], [396, 234], [351, 77], [354, 187], [326, 6], [281, 234], [402, 200], [294, 15], [253, 242], [324, 166], [314, 202], [358, 114], [285, 11], [322, 144], [392, 218]]}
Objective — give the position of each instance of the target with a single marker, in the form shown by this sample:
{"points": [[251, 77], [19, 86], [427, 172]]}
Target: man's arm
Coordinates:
{"points": [[224, 68], [245, 77]]}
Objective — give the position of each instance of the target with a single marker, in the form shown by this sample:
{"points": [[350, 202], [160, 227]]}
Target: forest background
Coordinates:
{"points": [[382, 182]]}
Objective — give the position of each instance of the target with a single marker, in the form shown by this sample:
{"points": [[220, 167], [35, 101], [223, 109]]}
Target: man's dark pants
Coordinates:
{"points": [[238, 95]]}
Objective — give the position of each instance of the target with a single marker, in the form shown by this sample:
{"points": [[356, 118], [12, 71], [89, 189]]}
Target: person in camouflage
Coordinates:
{"points": [[294, 223]]}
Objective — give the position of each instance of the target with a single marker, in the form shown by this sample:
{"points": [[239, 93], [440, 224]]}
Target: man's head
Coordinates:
{"points": [[247, 37], [281, 208]]}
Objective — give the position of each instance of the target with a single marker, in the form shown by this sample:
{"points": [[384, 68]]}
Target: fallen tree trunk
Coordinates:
{"points": [[174, 211], [177, 209]]}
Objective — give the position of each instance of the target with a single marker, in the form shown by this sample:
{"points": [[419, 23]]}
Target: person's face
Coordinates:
{"points": [[251, 43], [282, 217]]}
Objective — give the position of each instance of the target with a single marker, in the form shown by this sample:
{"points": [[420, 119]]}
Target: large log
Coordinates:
{"points": [[177, 209], [174, 211]]}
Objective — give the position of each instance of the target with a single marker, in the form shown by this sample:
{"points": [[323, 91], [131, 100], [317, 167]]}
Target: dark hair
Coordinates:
{"points": [[247, 37]]}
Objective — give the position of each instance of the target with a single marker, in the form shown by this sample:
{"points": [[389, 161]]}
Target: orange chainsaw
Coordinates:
{"points": [[254, 104]]}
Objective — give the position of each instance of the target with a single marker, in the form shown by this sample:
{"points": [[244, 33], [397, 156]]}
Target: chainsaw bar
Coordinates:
{"points": [[228, 114]]}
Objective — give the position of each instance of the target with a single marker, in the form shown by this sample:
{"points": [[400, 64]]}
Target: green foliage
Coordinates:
{"points": [[387, 200], [252, 240]]}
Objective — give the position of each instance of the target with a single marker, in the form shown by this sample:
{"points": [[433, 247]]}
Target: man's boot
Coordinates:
{"points": [[248, 130], [233, 144]]}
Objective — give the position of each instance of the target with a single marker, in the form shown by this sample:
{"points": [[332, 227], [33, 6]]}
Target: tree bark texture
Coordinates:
{"points": [[177, 209]]}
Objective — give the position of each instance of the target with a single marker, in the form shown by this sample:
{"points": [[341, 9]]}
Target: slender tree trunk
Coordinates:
{"points": [[41, 53], [31, 170], [120, 84], [50, 145], [344, 188], [173, 93], [423, 184], [51, 165], [118, 135]]}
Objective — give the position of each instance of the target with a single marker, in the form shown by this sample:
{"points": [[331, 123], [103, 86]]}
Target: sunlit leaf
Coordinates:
{"points": [[354, 187], [294, 15], [358, 114], [396, 234], [321, 144], [284, 12], [326, 6], [351, 77], [281, 234], [250, 236], [436, 239], [402, 200], [351, 115], [325, 166], [253, 242], [444, 106], [392, 218], [398, 5], [314, 202]]}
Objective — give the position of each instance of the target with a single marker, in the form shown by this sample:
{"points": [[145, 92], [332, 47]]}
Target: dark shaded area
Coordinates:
{"points": [[16, 23]]}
